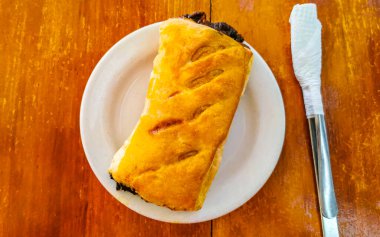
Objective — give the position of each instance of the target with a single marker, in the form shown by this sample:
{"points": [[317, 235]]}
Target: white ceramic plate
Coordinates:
{"points": [[113, 101]]}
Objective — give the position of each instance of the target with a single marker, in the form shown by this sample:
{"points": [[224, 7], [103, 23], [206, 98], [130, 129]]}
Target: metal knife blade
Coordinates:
{"points": [[330, 227]]}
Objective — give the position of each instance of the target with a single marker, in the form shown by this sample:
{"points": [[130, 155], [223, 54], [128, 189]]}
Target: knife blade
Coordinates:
{"points": [[322, 168], [330, 226]]}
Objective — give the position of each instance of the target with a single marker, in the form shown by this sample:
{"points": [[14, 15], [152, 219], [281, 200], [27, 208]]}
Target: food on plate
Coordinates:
{"points": [[198, 76]]}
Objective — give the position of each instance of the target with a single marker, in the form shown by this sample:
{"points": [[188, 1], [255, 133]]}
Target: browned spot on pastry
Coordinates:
{"points": [[200, 110], [216, 72], [187, 154], [204, 51], [201, 52], [205, 78], [173, 94], [164, 125]]}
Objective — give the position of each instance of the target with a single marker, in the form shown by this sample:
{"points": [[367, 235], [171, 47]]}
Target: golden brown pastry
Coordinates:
{"points": [[173, 154]]}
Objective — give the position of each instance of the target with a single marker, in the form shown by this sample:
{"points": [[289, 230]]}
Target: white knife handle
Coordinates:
{"points": [[321, 157]]}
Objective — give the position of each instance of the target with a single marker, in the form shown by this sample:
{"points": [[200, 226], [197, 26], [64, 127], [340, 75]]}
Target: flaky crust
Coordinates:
{"points": [[175, 150]]}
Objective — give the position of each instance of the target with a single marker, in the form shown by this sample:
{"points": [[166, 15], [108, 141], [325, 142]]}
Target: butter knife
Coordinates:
{"points": [[306, 55]]}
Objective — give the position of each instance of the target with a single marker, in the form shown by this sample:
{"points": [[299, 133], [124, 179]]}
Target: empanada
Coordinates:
{"points": [[198, 76]]}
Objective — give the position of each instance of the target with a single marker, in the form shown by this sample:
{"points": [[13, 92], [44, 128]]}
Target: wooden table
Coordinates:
{"points": [[48, 49]]}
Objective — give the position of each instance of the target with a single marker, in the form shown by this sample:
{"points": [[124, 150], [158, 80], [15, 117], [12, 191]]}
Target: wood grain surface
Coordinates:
{"points": [[48, 50]]}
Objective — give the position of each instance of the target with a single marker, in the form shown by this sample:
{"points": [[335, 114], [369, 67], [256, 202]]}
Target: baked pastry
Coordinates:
{"points": [[198, 76]]}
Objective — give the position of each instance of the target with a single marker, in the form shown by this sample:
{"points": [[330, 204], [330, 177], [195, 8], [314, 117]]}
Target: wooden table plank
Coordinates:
{"points": [[287, 205], [48, 50]]}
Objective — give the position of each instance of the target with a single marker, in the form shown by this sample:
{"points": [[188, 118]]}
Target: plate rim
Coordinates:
{"points": [[83, 107]]}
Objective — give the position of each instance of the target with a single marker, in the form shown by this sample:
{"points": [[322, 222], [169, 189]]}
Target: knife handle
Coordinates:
{"points": [[321, 157]]}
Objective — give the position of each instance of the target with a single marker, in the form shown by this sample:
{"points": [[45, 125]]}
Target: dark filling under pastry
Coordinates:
{"points": [[120, 186], [200, 18]]}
